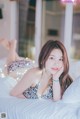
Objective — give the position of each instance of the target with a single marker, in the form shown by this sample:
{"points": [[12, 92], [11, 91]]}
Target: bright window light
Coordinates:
{"points": [[71, 1], [67, 0]]}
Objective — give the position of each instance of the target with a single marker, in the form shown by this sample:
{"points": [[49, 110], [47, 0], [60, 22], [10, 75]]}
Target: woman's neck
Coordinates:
{"points": [[46, 75]]}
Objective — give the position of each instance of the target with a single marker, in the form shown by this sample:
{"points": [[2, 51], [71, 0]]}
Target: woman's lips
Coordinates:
{"points": [[56, 69]]}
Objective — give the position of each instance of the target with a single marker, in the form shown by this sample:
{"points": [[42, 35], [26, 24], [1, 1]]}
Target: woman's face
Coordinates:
{"points": [[54, 62]]}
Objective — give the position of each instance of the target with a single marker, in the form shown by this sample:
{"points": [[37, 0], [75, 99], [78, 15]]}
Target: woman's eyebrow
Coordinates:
{"points": [[51, 55], [55, 56]]}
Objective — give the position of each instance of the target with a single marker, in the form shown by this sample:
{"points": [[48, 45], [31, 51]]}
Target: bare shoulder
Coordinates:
{"points": [[32, 75], [32, 72]]}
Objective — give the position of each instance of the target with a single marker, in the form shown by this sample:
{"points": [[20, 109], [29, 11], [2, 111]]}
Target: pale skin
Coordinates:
{"points": [[10, 45], [54, 65], [53, 68]]}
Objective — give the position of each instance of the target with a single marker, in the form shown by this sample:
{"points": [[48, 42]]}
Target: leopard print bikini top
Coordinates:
{"points": [[31, 92]]}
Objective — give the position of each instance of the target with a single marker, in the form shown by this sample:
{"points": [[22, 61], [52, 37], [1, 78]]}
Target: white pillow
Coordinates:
{"points": [[6, 84], [10, 82], [74, 70], [72, 93]]}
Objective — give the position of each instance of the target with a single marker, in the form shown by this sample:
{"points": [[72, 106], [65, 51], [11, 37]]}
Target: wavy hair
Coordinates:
{"points": [[65, 79]]}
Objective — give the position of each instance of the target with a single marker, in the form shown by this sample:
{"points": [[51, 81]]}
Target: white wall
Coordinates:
{"points": [[5, 22], [9, 23]]}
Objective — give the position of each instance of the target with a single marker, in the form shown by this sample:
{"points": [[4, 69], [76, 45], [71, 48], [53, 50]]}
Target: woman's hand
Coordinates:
{"points": [[58, 73], [56, 84]]}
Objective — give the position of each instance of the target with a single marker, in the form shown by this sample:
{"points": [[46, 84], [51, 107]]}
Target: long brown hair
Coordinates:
{"points": [[65, 79]]}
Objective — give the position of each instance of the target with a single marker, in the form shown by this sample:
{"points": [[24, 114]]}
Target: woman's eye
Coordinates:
{"points": [[60, 59], [51, 58]]}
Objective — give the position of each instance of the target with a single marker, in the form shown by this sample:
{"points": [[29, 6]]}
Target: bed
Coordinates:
{"points": [[16, 108]]}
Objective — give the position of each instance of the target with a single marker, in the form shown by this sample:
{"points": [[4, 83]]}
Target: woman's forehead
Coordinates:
{"points": [[56, 52]]}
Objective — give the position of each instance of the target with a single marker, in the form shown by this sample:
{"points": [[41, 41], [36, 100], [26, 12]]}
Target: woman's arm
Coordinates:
{"points": [[56, 85], [23, 84], [56, 90]]}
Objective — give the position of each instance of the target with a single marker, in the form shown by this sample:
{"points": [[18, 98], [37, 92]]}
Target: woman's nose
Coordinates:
{"points": [[56, 63]]}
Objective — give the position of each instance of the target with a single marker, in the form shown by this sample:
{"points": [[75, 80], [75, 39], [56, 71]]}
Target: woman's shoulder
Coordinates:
{"points": [[33, 72]]}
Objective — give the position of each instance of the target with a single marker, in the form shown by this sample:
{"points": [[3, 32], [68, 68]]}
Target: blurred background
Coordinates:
{"points": [[33, 22]]}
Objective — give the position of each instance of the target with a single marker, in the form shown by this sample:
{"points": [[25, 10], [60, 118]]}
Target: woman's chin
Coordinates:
{"points": [[53, 72]]}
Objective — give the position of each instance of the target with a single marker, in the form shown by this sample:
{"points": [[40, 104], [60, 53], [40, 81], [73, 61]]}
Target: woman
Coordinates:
{"points": [[50, 79], [14, 63], [10, 45]]}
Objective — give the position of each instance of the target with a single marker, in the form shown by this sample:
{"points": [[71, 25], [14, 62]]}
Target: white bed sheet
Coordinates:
{"points": [[17, 108]]}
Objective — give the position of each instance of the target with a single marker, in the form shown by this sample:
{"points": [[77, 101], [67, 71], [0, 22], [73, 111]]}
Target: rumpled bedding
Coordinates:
{"points": [[16, 108]]}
